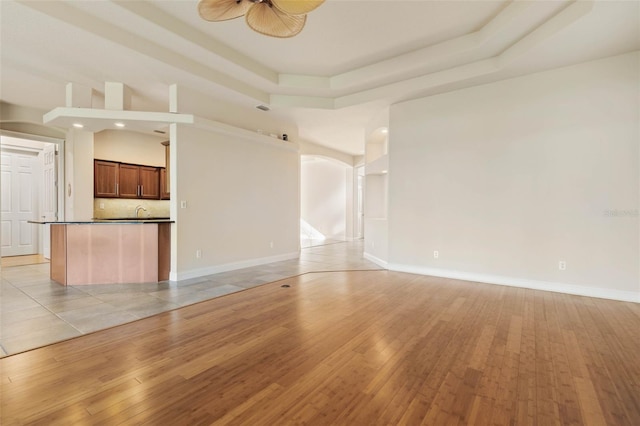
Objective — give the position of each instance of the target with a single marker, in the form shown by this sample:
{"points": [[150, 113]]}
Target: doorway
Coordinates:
{"points": [[326, 199], [29, 174]]}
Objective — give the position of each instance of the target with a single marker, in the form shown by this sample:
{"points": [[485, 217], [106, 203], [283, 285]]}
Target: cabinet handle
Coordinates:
{"points": [[142, 190], [117, 189]]}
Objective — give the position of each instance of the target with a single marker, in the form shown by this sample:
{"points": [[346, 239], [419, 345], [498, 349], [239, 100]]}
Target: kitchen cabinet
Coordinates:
{"points": [[164, 185], [149, 182], [121, 180], [129, 181], [139, 182], [105, 179]]}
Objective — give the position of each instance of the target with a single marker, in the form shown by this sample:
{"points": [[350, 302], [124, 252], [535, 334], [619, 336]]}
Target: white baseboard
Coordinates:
{"points": [[602, 293], [216, 269], [376, 260]]}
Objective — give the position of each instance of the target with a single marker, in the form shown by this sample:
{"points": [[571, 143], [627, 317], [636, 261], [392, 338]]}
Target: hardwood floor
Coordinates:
{"points": [[345, 348], [29, 259]]}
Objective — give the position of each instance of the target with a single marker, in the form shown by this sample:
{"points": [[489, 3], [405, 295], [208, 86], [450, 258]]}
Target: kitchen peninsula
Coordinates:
{"points": [[110, 251]]}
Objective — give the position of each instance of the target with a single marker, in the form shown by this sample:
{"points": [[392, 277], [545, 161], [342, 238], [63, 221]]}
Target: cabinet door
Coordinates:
{"points": [[164, 185], [129, 181], [105, 179], [149, 182]]}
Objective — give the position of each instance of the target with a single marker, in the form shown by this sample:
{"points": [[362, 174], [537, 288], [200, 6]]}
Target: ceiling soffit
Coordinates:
{"points": [[514, 30]]}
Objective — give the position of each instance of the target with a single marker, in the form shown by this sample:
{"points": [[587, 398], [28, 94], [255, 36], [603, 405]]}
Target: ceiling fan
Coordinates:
{"points": [[275, 18]]}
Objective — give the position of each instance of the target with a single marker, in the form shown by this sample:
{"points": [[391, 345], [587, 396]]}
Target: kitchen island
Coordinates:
{"points": [[105, 251]]}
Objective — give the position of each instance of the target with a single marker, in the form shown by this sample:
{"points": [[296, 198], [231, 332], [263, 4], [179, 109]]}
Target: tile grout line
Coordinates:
{"points": [[329, 263]]}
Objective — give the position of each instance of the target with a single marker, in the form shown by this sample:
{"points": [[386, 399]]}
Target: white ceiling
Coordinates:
{"points": [[353, 58]]}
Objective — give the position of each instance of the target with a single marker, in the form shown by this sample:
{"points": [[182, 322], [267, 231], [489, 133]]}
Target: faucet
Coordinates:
{"points": [[138, 208]]}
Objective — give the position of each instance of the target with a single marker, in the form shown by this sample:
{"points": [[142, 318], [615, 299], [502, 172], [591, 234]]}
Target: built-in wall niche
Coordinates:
{"points": [[377, 145], [376, 189], [376, 171]]}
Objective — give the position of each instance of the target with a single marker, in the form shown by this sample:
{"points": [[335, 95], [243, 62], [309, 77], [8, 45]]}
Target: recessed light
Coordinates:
{"points": [[384, 172], [385, 130], [119, 124], [78, 125]]}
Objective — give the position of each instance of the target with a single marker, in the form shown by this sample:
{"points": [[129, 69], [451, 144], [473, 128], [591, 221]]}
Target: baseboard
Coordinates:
{"points": [[216, 269], [602, 293], [376, 260]]}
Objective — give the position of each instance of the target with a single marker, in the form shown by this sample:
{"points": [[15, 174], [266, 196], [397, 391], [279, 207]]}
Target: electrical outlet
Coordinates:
{"points": [[198, 254], [183, 204], [271, 244], [101, 206], [436, 254], [562, 265]]}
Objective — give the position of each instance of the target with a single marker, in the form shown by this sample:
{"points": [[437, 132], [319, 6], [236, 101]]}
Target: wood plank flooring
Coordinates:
{"points": [[345, 348], [28, 259]]}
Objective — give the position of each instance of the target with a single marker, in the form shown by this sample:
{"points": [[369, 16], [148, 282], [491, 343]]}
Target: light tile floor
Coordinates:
{"points": [[35, 311]]}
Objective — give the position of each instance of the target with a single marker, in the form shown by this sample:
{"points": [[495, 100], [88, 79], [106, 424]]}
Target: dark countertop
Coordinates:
{"points": [[118, 221]]}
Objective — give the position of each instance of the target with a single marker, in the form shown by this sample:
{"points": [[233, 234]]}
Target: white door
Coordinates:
{"points": [[49, 197], [18, 202]]}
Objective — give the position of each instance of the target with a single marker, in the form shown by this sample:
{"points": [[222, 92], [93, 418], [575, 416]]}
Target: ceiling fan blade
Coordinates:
{"points": [[297, 7], [222, 10], [270, 21]]}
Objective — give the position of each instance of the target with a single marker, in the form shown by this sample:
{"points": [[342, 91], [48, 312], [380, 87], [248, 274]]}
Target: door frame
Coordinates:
{"points": [[60, 143]]}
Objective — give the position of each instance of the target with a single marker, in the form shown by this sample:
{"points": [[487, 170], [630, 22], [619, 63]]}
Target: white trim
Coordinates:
{"points": [[229, 130], [376, 260], [30, 136], [602, 293], [216, 269]]}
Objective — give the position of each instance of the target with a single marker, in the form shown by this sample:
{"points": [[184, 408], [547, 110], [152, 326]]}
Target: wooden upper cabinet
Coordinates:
{"points": [[119, 180], [129, 181], [164, 185], [105, 179], [149, 183]]}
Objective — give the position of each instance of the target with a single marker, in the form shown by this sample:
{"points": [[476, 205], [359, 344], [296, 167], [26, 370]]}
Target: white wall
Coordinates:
{"points": [[323, 193], [130, 147], [27, 120], [507, 179], [237, 115], [310, 148], [242, 195]]}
